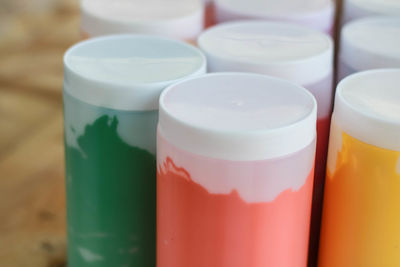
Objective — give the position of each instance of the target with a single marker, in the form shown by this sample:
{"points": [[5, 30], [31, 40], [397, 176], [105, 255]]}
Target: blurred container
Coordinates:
{"points": [[111, 91], [209, 13], [361, 215], [315, 14], [235, 157], [356, 9], [178, 19], [295, 53], [369, 43]]}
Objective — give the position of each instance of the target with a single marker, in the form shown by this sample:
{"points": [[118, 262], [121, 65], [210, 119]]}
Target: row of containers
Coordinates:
{"points": [[169, 166]]}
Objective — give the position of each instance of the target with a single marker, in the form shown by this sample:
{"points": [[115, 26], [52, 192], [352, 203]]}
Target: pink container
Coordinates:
{"points": [[319, 15], [235, 158], [295, 53], [178, 19]]}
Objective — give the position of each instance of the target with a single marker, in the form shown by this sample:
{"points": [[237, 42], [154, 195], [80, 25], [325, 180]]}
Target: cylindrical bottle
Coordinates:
{"points": [[369, 43], [361, 217], [315, 14], [235, 157], [356, 9], [111, 91], [178, 19], [288, 51]]}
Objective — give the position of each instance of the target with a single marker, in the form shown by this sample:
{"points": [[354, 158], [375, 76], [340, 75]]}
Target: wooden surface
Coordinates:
{"points": [[32, 198]]}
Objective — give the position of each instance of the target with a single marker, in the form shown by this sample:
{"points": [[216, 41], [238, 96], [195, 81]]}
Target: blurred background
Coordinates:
{"points": [[33, 37]]}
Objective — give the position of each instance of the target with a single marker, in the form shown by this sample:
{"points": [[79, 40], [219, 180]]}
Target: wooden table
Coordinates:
{"points": [[32, 197]]}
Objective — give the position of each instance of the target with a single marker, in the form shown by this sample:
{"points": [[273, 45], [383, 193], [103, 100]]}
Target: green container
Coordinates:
{"points": [[111, 90]]}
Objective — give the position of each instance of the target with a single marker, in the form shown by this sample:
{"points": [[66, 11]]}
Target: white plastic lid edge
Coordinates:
{"points": [[362, 126], [322, 20], [129, 97], [182, 28], [361, 59], [305, 71], [237, 146]]}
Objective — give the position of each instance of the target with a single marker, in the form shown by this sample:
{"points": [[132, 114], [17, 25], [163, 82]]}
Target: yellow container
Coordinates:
{"points": [[361, 216]]}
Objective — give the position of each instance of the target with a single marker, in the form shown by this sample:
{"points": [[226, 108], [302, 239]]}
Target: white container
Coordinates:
{"points": [[315, 14], [235, 155], [355, 9], [178, 19], [369, 43]]}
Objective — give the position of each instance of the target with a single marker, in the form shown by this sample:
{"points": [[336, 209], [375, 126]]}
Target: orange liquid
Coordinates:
{"points": [[323, 127], [361, 216], [197, 228]]}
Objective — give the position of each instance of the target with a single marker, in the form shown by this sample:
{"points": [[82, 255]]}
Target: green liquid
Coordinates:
{"points": [[111, 199]]}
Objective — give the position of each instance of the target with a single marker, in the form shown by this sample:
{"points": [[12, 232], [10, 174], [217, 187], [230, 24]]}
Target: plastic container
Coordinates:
{"points": [[315, 14], [178, 19], [362, 194], [235, 157], [111, 91], [369, 43], [295, 53], [356, 9]]}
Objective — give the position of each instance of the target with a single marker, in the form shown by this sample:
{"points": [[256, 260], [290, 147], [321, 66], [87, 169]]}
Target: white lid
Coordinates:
{"points": [[318, 14], [367, 107], [370, 43], [128, 72], [362, 8], [284, 50], [181, 19], [238, 116]]}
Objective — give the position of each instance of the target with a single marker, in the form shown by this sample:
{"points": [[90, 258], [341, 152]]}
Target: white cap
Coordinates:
{"points": [[318, 14], [367, 107], [354, 9], [128, 72], [238, 116], [284, 50], [179, 19], [370, 43]]}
